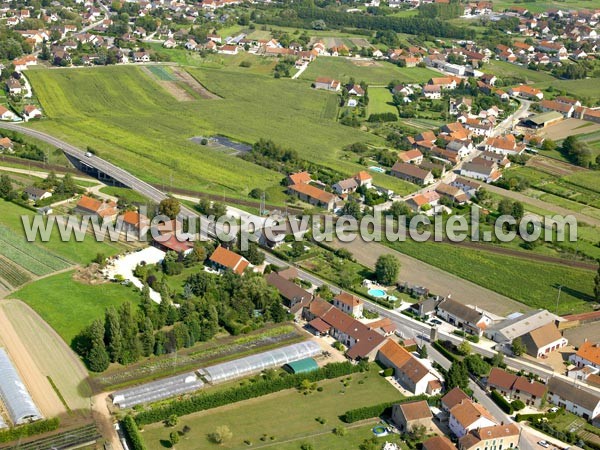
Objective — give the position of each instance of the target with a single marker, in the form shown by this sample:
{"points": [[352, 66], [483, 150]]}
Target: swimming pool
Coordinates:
{"points": [[377, 169], [379, 431], [377, 293]]}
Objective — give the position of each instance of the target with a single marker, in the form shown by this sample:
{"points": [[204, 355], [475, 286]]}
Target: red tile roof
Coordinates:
{"points": [[229, 259]]}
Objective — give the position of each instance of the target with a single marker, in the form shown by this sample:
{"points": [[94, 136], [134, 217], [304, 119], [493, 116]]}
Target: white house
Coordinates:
{"points": [[574, 399], [467, 416], [588, 354], [35, 194]]}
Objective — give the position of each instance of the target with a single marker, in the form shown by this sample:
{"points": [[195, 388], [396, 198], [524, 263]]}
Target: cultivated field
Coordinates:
{"points": [[569, 127], [68, 305], [40, 353], [134, 117], [271, 415], [372, 72]]}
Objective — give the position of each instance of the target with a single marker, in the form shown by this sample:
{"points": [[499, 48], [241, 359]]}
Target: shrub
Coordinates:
{"points": [[30, 429], [368, 412], [444, 351], [517, 405], [132, 433], [502, 402], [388, 372]]}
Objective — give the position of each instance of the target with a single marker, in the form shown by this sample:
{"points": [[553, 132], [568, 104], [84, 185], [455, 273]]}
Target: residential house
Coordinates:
{"points": [[444, 82], [313, 195], [543, 340], [454, 397], [411, 157], [526, 92], [224, 259], [425, 202], [171, 242], [495, 437], [228, 49], [141, 57], [426, 307], [363, 179], [346, 186], [14, 86], [472, 320], [409, 371], [355, 89], [6, 143], [135, 223], [412, 173], [566, 109], [462, 148], [36, 194], [505, 145], [291, 293], [31, 112], [298, 178], [588, 354], [349, 304], [6, 114], [574, 399], [513, 387], [89, 206], [438, 443], [452, 193], [411, 416], [481, 169], [497, 158], [432, 92], [470, 187], [328, 84], [467, 416]]}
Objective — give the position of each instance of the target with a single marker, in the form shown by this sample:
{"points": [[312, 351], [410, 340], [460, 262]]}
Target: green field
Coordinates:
{"points": [[380, 101], [273, 416], [505, 69], [162, 73], [139, 126], [529, 282], [544, 5], [589, 88], [381, 73], [75, 252], [69, 306]]}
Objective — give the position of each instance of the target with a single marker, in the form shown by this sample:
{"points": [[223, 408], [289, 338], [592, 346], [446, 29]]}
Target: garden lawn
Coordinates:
{"points": [[533, 283], [69, 306], [134, 123], [380, 73], [284, 415], [381, 101]]}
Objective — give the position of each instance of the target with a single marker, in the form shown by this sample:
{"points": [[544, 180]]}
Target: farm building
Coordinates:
{"points": [[14, 394], [543, 120], [255, 363]]}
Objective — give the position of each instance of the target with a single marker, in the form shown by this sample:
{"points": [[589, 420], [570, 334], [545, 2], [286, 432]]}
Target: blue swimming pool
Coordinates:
{"points": [[377, 169], [377, 293]]}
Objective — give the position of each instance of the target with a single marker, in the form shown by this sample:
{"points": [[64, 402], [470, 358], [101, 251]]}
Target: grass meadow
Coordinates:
{"points": [[380, 73], [68, 305], [132, 121], [380, 101], [271, 416]]}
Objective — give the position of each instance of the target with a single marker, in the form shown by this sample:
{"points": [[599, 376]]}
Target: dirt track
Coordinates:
{"points": [[38, 385], [438, 281]]}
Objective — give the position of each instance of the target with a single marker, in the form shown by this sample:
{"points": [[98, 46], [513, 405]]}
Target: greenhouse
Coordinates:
{"points": [[302, 366], [157, 390], [2, 423], [14, 394], [255, 363]]}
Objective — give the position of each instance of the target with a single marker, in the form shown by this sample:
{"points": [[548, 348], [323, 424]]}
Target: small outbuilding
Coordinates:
{"points": [[302, 366]]}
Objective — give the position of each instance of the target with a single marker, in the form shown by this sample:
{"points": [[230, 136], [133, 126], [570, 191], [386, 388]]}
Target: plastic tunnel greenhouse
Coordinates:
{"points": [[255, 363], [157, 390], [14, 394]]}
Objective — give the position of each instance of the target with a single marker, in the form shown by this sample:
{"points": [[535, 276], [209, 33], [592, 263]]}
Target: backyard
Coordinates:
{"points": [[270, 421]]}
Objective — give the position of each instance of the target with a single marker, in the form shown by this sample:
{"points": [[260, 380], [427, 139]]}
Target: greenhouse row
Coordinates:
{"points": [[157, 390], [14, 394], [255, 363]]}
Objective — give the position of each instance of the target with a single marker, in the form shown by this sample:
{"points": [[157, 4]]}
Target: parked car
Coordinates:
{"points": [[553, 409], [543, 444]]}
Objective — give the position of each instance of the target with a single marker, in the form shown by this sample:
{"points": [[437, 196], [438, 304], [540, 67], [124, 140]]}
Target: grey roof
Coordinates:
{"points": [[567, 391], [287, 289], [255, 363], [14, 394], [157, 390], [510, 329], [542, 118], [464, 312], [348, 183]]}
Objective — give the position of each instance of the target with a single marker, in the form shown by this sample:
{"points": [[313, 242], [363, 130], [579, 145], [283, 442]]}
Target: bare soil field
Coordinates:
{"points": [[366, 63], [569, 127], [38, 353], [553, 166], [172, 87]]}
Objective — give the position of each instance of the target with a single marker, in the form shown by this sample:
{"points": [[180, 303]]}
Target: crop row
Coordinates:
{"points": [[12, 273]]}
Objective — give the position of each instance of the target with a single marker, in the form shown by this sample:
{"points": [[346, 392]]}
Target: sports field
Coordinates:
{"points": [[271, 415], [138, 125], [372, 72]]}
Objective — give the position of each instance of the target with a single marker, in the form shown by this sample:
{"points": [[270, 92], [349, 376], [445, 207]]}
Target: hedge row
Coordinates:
{"points": [[203, 401], [444, 351], [367, 412], [31, 429], [132, 433], [502, 402], [529, 417]]}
